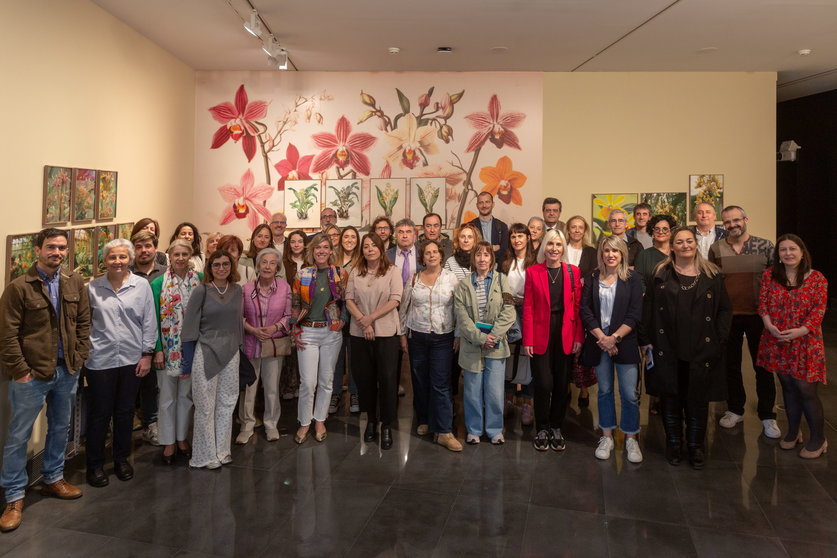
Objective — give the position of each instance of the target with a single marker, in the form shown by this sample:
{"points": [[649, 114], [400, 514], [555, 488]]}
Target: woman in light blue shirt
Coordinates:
{"points": [[123, 333]]}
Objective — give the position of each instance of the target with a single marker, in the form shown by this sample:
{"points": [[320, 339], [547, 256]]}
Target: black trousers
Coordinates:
{"points": [[113, 392], [676, 407], [376, 368], [751, 326], [551, 374]]}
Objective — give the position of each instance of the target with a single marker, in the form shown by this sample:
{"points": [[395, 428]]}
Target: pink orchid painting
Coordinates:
{"points": [[244, 200], [293, 167], [239, 122], [343, 149], [494, 127]]}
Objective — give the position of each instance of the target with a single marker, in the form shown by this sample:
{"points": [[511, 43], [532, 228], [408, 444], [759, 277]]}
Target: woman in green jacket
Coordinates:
{"points": [[484, 313]]}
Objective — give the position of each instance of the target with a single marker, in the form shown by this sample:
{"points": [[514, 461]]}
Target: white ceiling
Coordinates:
{"points": [[538, 35]]}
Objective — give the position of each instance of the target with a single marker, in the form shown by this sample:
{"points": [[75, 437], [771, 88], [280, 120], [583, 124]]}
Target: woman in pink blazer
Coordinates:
{"points": [[551, 332]]}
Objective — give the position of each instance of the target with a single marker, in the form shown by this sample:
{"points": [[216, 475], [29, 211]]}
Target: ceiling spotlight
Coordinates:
{"points": [[279, 61], [393, 50], [271, 46], [254, 26], [444, 49], [804, 51]]}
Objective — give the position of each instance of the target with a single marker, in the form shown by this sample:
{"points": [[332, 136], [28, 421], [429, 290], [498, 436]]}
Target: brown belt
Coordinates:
{"points": [[311, 323]]}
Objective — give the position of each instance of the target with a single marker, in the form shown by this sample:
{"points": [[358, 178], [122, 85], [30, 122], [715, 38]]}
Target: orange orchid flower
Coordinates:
{"points": [[503, 182]]}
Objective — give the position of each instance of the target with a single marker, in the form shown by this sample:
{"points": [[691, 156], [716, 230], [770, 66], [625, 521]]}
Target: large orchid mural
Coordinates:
{"points": [[245, 201]]}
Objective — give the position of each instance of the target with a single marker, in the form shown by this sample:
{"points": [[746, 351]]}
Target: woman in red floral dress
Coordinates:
{"points": [[792, 304]]}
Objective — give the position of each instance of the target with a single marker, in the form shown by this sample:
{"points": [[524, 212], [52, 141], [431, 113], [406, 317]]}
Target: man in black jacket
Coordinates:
{"points": [[492, 229]]}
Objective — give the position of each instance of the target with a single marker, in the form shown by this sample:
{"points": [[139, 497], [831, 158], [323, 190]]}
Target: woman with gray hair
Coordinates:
{"points": [[123, 333], [172, 292], [267, 320]]}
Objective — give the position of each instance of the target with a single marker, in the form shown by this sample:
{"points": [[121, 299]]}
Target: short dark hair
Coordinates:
{"points": [[642, 205], [208, 277], [550, 201], [49, 233], [424, 219], [142, 236], [423, 246]]}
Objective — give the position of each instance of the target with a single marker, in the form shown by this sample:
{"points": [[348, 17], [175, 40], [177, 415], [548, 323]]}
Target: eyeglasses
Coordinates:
{"points": [[278, 222], [220, 265], [618, 221], [661, 229]]}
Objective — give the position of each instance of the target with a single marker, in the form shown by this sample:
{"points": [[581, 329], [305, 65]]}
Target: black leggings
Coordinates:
{"points": [[801, 398]]}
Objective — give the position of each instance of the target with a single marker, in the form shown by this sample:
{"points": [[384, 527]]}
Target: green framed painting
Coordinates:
{"points": [[125, 229], [20, 254], [84, 251], [603, 204], [58, 182], [667, 203], [106, 190], [84, 195], [104, 234]]}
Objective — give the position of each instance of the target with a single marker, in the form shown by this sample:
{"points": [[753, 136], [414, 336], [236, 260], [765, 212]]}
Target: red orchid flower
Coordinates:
{"points": [[245, 200], [494, 127], [342, 148], [293, 167], [238, 121]]}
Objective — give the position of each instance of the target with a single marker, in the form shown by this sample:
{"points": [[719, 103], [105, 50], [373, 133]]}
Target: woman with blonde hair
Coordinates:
{"points": [[685, 323], [611, 309]]}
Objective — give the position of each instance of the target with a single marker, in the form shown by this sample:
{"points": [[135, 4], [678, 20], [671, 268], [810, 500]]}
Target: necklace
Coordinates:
{"points": [[555, 278], [690, 287], [220, 292]]}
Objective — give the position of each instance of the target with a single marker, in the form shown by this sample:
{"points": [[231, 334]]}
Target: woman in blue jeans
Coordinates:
{"points": [[427, 323], [611, 308]]}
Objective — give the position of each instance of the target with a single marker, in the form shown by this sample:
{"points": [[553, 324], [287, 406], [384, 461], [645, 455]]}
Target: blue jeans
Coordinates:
{"points": [[25, 402], [340, 368], [628, 391], [483, 398], [430, 358]]}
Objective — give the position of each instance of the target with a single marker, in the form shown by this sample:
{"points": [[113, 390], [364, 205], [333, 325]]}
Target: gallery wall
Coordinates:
{"points": [[82, 89]]}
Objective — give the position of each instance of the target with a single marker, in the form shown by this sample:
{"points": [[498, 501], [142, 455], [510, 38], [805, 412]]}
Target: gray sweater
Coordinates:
{"points": [[216, 322]]}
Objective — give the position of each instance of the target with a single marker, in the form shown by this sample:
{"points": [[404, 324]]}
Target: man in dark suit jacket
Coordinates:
{"points": [[405, 250], [485, 223]]}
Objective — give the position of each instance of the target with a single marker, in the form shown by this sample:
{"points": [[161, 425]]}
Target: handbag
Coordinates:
{"points": [[273, 347]]}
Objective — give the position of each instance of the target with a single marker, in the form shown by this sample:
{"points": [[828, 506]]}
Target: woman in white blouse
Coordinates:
{"points": [[519, 256], [427, 323]]}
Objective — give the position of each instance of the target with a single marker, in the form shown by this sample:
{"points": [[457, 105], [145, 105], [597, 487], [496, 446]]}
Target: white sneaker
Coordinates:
{"points": [[730, 419], [632, 449], [498, 440], [771, 429], [150, 434], [604, 448], [472, 439], [243, 437]]}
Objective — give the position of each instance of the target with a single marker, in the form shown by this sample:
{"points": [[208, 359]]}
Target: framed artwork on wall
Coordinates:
{"points": [[84, 251], [344, 197], [389, 197], [106, 191], [707, 188], [603, 204], [84, 195], [124, 230], [302, 204], [427, 195], [20, 254], [667, 203], [58, 182], [104, 234]]}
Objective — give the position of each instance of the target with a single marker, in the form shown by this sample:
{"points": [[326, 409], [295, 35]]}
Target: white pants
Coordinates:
{"points": [[175, 408], [316, 372], [268, 370], [214, 403]]}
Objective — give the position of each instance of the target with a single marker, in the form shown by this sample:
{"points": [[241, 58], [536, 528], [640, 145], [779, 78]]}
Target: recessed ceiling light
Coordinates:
{"points": [[499, 50], [707, 50], [804, 51], [393, 50], [444, 50]]}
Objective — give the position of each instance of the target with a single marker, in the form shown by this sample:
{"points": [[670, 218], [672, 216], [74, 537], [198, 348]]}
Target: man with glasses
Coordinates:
{"points": [[44, 340], [706, 230], [328, 217], [618, 223], [432, 225], [743, 258], [278, 224]]}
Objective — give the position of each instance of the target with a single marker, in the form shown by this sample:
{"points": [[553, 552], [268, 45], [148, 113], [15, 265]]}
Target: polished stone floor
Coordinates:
{"points": [[347, 498]]}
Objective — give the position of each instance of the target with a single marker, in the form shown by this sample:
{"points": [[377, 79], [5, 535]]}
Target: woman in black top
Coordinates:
{"points": [[686, 321]]}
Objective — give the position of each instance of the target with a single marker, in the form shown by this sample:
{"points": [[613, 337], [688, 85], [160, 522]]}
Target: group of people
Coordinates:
{"points": [[506, 310]]}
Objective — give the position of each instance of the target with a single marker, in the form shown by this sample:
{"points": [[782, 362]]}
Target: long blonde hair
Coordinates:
{"points": [[622, 271], [703, 265]]}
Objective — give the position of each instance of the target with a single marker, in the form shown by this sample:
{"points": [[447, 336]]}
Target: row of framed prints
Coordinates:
{"points": [[78, 195], [397, 198], [84, 254], [703, 188]]}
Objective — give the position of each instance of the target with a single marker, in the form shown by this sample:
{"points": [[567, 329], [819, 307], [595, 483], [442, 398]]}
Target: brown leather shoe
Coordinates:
{"points": [[12, 516], [449, 441], [61, 489]]}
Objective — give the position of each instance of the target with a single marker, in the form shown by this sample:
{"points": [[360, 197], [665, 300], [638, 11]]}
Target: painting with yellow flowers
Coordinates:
{"points": [[603, 204], [389, 198], [706, 188]]}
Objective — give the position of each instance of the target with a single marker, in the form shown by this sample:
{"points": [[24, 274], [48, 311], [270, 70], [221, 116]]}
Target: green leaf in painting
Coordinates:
{"points": [[404, 101]]}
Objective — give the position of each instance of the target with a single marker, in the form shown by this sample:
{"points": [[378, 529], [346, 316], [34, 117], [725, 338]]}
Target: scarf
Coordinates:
{"points": [[174, 296], [463, 259]]}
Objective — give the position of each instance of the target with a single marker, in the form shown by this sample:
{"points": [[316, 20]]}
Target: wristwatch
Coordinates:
{"points": [[618, 338], [148, 353]]}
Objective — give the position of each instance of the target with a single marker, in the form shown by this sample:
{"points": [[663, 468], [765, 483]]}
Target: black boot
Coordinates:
{"points": [[672, 415], [695, 435]]}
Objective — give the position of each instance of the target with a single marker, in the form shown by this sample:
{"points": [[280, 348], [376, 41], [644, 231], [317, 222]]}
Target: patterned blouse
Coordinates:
{"points": [[429, 309]]}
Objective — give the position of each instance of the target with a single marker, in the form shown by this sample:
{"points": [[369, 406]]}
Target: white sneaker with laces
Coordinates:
{"points": [[604, 448], [632, 449], [771, 429], [730, 419]]}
